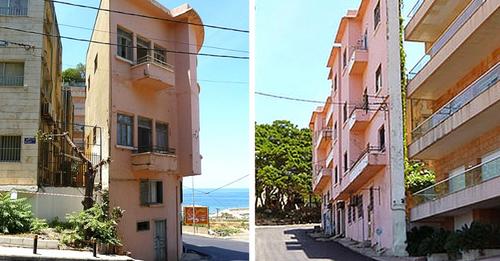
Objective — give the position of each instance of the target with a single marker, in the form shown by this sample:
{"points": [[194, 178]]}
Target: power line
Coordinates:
{"points": [[156, 39], [112, 44], [150, 17], [230, 183], [317, 101]]}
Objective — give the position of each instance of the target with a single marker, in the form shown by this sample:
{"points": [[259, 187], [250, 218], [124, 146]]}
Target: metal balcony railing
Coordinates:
{"points": [[154, 149], [148, 59], [482, 84], [469, 178], [446, 36], [369, 149], [13, 11], [11, 80]]}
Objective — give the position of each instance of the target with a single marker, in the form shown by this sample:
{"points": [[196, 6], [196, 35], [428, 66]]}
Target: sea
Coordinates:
{"points": [[222, 199]]}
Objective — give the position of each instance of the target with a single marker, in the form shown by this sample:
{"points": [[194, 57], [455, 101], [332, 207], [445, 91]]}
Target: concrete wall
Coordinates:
{"points": [[56, 202]]}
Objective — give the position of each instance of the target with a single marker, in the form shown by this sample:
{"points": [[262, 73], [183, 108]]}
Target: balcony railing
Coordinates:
{"points": [[11, 80], [415, 8], [154, 149], [148, 59], [369, 149], [475, 89], [446, 36], [13, 11], [469, 178]]}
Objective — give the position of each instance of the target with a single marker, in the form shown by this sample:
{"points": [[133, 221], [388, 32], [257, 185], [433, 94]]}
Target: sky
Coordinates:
{"points": [[224, 106], [293, 43]]}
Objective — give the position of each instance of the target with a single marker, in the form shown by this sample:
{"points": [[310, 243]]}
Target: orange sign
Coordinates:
{"points": [[200, 217]]}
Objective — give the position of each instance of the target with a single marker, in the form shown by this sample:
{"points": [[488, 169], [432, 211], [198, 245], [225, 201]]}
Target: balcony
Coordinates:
{"points": [[475, 186], [152, 74], [429, 18], [371, 160], [465, 117], [359, 119], [154, 160], [323, 137], [465, 43], [329, 159], [321, 179], [358, 60]]}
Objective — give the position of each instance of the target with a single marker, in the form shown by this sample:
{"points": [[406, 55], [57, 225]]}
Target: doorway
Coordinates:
{"points": [[160, 240]]}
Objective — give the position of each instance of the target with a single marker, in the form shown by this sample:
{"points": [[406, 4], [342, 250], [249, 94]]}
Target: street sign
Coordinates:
{"points": [[30, 140]]}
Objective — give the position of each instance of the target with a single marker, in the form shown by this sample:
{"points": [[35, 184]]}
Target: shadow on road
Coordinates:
{"points": [[219, 254], [300, 241]]}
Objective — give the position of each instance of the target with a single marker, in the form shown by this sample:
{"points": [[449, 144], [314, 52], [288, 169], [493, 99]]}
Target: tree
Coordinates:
{"points": [[76, 74], [283, 159]]}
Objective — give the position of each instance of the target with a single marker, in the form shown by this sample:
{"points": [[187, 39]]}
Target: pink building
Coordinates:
{"points": [[358, 146], [453, 121], [144, 96]]}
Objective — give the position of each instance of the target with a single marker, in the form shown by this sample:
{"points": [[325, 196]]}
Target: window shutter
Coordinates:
{"points": [[159, 192], [144, 191]]}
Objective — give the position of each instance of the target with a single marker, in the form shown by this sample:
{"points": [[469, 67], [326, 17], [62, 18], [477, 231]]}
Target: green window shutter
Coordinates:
{"points": [[144, 192], [159, 192]]}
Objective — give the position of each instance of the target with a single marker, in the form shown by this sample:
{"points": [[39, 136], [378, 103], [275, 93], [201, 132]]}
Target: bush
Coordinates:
{"points": [[15, 215], [478, 236], [414, 237], [418, 176], [95, 223], [226, 231], [434, 244], [37, 225]]}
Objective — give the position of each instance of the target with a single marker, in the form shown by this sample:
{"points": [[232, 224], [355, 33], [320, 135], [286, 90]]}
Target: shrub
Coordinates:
{"points": [[15, 215], [418, 176], [435, 243], [477, 236], [226, 231], [37, 225], [414, 237], [95, 223]]}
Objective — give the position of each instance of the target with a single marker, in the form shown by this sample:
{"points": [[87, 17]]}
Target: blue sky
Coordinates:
{"points": [[223, 106], [293, 42]]}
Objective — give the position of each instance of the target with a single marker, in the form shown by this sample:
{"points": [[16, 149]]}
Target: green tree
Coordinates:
{"points": [[76, 74], [283, 159]]}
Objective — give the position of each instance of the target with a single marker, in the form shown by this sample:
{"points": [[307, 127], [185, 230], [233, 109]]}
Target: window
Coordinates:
{"points": [[381, 138], [94, 135], [145, 135], [142, 50], [95, 62], [335, 83], [345, 111], [124, 40], [14, 7], [11, 74], [162, 137], [336, 179], [349, 214], [370, 206], [344, 58], [10, 148], [359, 202], [160, 54], [378, 78], [335, 130], [151, 192], [143, 226], [88, 83], [345, 162], [125, 130], [376, 15]]}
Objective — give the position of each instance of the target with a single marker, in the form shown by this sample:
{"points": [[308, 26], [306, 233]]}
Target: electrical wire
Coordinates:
{"points": [[112, 44], [230, 183], [151, 17]]}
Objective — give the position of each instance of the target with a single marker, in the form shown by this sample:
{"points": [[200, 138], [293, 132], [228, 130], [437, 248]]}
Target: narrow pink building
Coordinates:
{"points": [[142, 91], [358, 148]]}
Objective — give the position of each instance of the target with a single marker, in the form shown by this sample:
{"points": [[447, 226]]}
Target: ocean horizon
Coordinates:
{"points": [[225, 198]]}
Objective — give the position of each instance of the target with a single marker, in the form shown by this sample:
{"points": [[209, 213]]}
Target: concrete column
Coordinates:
{"points": [[396, 158]]}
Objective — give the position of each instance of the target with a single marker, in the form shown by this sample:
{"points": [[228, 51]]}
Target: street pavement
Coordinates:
{"points": [[291, 243], [217, 249]]}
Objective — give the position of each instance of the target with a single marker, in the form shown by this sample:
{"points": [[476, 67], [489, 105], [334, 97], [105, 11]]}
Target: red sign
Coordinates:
{"points": [[200, 217]]}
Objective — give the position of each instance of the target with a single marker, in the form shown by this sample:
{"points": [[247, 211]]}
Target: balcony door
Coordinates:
{"points": [[145, 135]]}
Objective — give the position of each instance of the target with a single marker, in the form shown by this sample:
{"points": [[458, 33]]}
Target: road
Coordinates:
{"points": [[291, 243], [217, 249]]}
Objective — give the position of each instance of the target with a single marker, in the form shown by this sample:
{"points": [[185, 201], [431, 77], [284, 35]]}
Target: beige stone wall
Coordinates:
{"points": [[20, 106], [469, 154]]}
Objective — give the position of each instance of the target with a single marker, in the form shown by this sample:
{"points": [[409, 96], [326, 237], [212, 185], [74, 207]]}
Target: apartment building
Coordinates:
{"points": [[32, 100], [77, 92], [453, 121], [142, 90], [358, 146]]}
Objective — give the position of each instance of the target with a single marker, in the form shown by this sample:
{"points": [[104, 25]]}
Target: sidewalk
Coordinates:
{"points": [[18, 253]]}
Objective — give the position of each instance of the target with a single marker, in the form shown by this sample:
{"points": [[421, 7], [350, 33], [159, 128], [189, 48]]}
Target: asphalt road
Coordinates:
{"points": [[217, 249], [291, 243]]}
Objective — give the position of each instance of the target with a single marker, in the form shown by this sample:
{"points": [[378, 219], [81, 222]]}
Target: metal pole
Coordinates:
{"points": [[194, 220], [35, 244], [94, 248]]}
